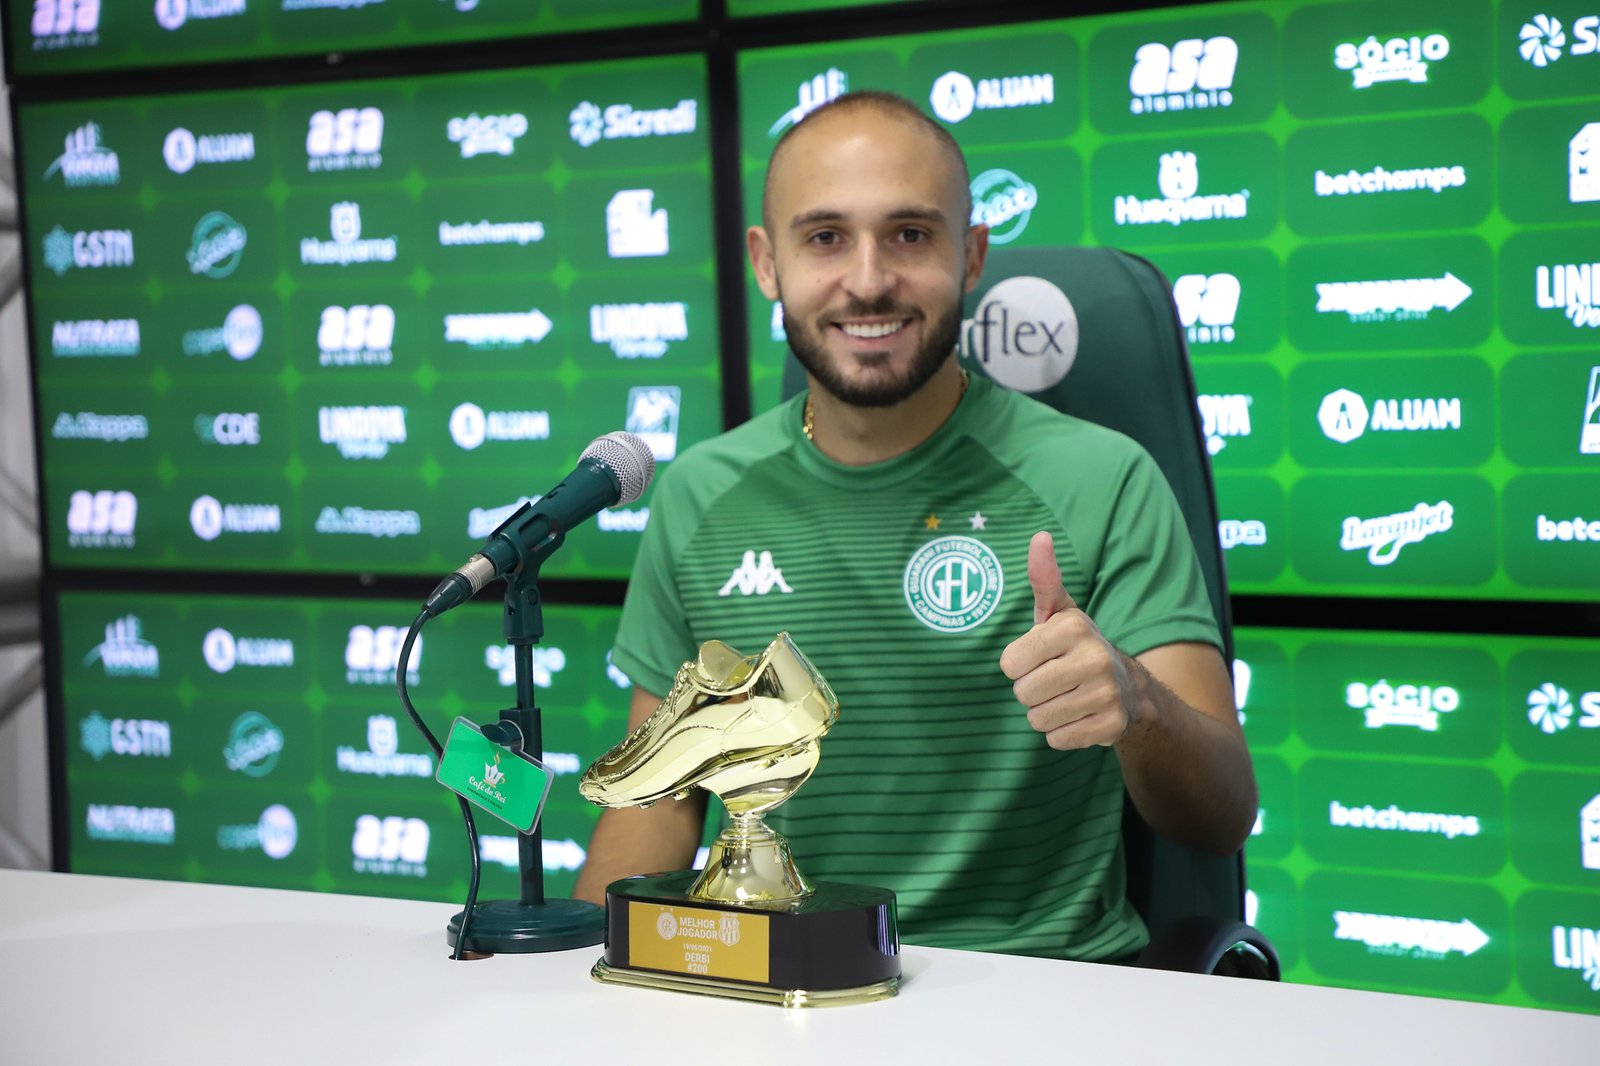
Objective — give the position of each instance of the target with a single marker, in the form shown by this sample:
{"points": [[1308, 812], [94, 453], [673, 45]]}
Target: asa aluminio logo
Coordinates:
{"points": [[471, 426], [85, 162], [1224, 416], [347, 245], [274, 834], [98, 249], [382, 757], [509, 329], [1396, 299], [223, 651], [240, 336], [548, 661], [652, 416], [1345, 416], [182, 150], [1405, 704], [172, 15], [105, 518], [65, 24], [372, 655], [89, 425], [1397, 59], [353, 521], [1004, 202], [1571, 288], [91, 338], [358, 335], [1551, 709], [1178, 179], [217, 246], [1542, 39], [1385, 537], [131, 737], [210, 518], [348, 139], [639, 331], [635, 227], [812, 93], [1024, 333], [589, 124], [955, 96], [392, 846], [125, 652], [1192, 75], [1207, 305], [131, 825], [487, 134], [365, 432], [254, 745]]}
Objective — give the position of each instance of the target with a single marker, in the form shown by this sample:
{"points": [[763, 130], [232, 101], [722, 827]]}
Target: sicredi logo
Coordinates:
{"points": [[254, 745], [1394, 819], [223, 651], [1024, 332], [99, 249], [347, 245], [124, 652], [1571, 288], [229, 429], [275, 833], [172, 14], [383, 757], [1385, 537], [639, 331], [1398, 299], [1373, 62], [239, 335], [1208, 304], [348, 139], [635, 227], [1589, 434], [1192, 75], [87, 425], [102, 519], [362, 432], [652, 416], [65, 24], [589, 124], [95, 338], [85, 161], [1178, 178], [217, 245], [359, 335], [1224, 416], [367, 522], [813, 93], [210, 518], [390, 846], [470, 425], [1004, 202], [487, 134], [1383, 180], [1417, 938], [1542, 39], [548, 661], [131, 825], [1550, 709], [183, 150], [1577, 948], [131, 737], [1414, 706], [483, 232], [1583, 165], [1234, 533], [1345, 416], [504, 330], [955, 96], [372, 654]]}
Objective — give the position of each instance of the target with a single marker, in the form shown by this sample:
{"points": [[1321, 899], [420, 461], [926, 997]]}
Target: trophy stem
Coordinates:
{"points": [[749, 862]]}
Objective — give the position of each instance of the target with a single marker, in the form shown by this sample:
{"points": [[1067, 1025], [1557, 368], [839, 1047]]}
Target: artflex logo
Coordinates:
{"points": [[1583, 165], [347, 245], [823, 87], [372, 655], [102, 519], [85, 162], [953, 584], [223, 651], [1550, 709], [1374, 62], [548, 661], [254, 745], [512, 329], [1577, 948], [182, 150], [275, 834], [1004, 202], [239, 335], [483, 232], [755, 576], [1345, 416], [171, 15], [358, 335], [383, 757], [131, 737], [639, 331], [1542, 38], [98, 249], [1589, 433], [1208, 304], [1399, 299], [1178, 178], [470, 426], [1235, 533], [131, 825], [1380, 180], [1385, 537], [1191, 75], [589, 124], [1417, 938], [362, 432], [1571, 288], [635, 227], [111, 429], [652, 416], [1408, 705], [954, 96], [1024, 332], [1394, 819], [217, 245], [1223, 417], [95, 338], [488, 134], [390, 846], [366, 522], [124, 652], [348, 139], [65, 24]]}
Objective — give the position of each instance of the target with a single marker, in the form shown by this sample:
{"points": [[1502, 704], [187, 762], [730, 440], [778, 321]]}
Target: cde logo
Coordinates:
{"points": [[1192, 75], [953, 584], [1024, 332]]}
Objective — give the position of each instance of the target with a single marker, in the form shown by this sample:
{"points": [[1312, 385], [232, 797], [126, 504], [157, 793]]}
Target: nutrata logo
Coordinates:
{"points": [[639, 331], [1178, 178], [1417, 938], [253, 746], [133, 737], [634, 226], [1373, 62], [85, 162], [1192, 75], [1024, 332], [362, 432], [1003, 202], [103, 519], [99, 249], [372, 654], [65, 24], [1571, 288], [1583, 165], [390, 846], [1399, 299], [1577, 948], [1550, 709], [124, 652], [275, 833], [366, 522], [349, 139], [1542, 38], [1224, 416], [347, 245], [1394, 819], [95, 337], [111, 429], [1234, 533], [813, 94], [359, 335], [548, 661], [1413, 706], [182, 150], [954, 96], [1382, 180], [383, 757], [1385, 537], [131, 825], [172, 14], [217, 245], [1207, 306], [506, 330], [470, 425], [589, 125], [652, 416], [482, 232], [1344, 415], [223, 651], [487, 134]]}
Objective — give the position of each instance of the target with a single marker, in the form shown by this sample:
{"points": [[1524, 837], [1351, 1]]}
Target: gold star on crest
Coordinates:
{"points": [[932, 521]]}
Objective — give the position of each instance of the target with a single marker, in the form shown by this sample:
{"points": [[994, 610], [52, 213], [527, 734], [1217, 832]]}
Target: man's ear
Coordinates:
{"points": [[977, 252], [759, 245]]}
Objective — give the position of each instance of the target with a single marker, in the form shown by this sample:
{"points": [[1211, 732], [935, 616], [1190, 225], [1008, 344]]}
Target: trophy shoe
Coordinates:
{"points": [[747, 729]]}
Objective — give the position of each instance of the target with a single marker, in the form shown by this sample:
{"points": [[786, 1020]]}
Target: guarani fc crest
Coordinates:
{"points": [[953, 583]]}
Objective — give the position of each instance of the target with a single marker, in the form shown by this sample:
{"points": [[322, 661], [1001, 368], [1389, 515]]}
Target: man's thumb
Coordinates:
{"points": [[1050, 596]]}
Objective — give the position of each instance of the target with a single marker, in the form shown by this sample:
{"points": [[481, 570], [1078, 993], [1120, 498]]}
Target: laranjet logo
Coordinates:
{"points": [[1571, 288], [275, 834], [1192, 75], [1550, 709], [471, 425], [383, 757], [1398, 300], [124, 652], [102, 519], [347, 245], [635, 227], [254, 744], [210, 518], [548, 661], [85, 161], [1178, 178], [366, 522], [1385, 537], [639, 331], [1394, 819], [390, 846], [223, 651], [372, 654], [1373, 62], [1416, 938], [483, 232], [1004, 202], [1383, 180], [512, 329], [590, 125], [821, 88], [1025, 333], [239, 335], [653, 417], [1589, 433], [487, 134], [1583, 165], [183, 150], [955, 96], [133, 737], [95, 338], [1542, 39], [217, 245], [1208, 304], [1413, 706], [755, 576], [1577, 948], [97, 249], [87, 425], [173, 14], [131, 825], [1235, 533], [1224, 416], [362, 432], [358, 335], [1345, 416], [65, 24], [348, 139]]}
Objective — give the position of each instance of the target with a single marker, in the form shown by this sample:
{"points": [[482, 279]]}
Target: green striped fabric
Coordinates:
{"points": [[903, 582]]}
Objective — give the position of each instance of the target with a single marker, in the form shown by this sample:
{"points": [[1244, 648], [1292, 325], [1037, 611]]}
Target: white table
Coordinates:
{"points": [[99, 971]]}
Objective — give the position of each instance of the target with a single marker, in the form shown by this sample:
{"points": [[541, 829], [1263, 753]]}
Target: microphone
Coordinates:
{"points": [[615, 468]]}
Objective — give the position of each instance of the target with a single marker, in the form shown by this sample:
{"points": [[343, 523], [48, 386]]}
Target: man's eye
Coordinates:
{"points": [[913, 236], [825, 237]]}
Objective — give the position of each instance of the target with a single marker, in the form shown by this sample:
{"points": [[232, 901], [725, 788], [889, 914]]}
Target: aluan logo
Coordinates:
{"points": [[652, 416], [348, 139], [1380, 180], [1224, 416], [1345, 416], [1234, 533], [131, 825], [132, 737], [217, 245], [548, 661], [390, 846], [382, 757], [347, 245], [635, 227], [1571, 288], [487, 134], [1208, 304], [65, 24], [482, 521], [484, 232], [821, 88], [1178, 178], [102, 519], [512, 329], [1577, 948], [95, 338], [1024, 332], [471, 425], [1583, 165], [372, 654], [1004, 202], [274, 834], [1417, 938], [99, 249], [1394, 819], [254, 745], [182, 150], [1384, 538], [953, 584], [124, 652], [1589, 433], [639, 331], [85, 161], [1550, 709], [1192, 75], [755, 576], [589, 124], [87, 425], [366, 522], [1405, 704], [954, 96], [623, 519], [362, 432], [172, 14], [1399, 299], [358, 335], [229, 429], [239, 335], [1374, 62], [1565, 530], [1542, 39], [223, 651]]}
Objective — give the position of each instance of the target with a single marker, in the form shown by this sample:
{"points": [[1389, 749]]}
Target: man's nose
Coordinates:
{"points": [[870, 274]]}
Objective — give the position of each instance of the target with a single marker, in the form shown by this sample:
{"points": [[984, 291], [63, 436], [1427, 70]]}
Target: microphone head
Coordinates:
{"points": [[628, 457]]}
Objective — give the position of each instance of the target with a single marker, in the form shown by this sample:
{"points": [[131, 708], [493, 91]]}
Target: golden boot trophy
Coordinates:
{"points": [[747, 729]]}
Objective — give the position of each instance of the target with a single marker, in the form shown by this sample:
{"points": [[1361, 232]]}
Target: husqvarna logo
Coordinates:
{"points": [[1024, 332]]}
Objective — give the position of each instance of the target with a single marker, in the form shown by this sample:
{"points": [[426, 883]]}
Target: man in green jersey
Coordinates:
{"points": [[928, 540]]}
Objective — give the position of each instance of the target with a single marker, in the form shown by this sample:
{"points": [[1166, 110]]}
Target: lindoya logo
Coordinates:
{"points": [[1024, 333]]}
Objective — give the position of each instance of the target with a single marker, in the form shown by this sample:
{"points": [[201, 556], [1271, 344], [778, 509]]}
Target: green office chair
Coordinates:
{"points": [[1093, 332]]}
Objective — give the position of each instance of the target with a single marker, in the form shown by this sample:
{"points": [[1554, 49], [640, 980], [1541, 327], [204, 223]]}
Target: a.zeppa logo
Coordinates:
{"points": [[347, 245], [1551, 709], [217, 245], [955, 96], [131, 737], [171, 15], [274, 834], [65, 24], [94, 338], [85, 161], [111, 429], [1405, 704], [1178, 178], [1542, 39], [348, 139], [372, 654], [1025, 333], [589, 124], [487, 134], [239, 335], [352, 521], [471, 425], [1192, 75], [1385, 537], [102, 519], [124, 652], [362, 432], [182, 149], [1345, 415], [392, 846], [1571, 288], [383, 757], [1004, 202], [639, 331], [98, 249], [1397, 299], [1224, 416], [1207, 306], [223, 651], [1374, 62], [358, 335]]}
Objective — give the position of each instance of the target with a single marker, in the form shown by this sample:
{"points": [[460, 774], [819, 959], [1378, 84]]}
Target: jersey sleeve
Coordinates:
{"points": [[653, 638]]}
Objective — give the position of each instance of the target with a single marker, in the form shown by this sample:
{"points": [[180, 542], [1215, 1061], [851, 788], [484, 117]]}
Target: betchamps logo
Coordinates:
{"points": [[589, 124], [1407, 705], [223, 651], [1551, 707], [217, 245], [1385, 537], [1571, 288], [1566, 530], [372, 655], [362, 432], [85, 162], [548, 661], [1192, 75], [347, 245], [274, 834], [511, 329], [1394, 819], [349, 139], [383, 757], [390, 846], [98, 249], [1399, 299], [1004, 202], [652, 416], [210, 518], [1178, 178], [955, 96], [1207, 306], [110, 429], [821, 88], [366, 522], [635, 227], [1383, 180], [124, 652], [1024, 332], [487, 134], [173, 14], [183, 150], [1542, 39], [1345, 416], [1224, 416], [102, 519], [131, 737], [639, 331], [239, 335], [471, 425], [483, 232], [358, 335], [95, 338], [1374, 62], [65, 24]]}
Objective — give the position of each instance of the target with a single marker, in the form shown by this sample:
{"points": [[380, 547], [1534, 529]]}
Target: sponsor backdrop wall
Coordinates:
{"points": [[320, 338]]}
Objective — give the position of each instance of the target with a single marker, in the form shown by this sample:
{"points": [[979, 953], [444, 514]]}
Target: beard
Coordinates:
{"points": [[805, 341]]}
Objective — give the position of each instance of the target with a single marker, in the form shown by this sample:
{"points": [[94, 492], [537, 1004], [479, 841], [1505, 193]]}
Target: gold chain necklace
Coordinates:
{"points": [[808, 420]]}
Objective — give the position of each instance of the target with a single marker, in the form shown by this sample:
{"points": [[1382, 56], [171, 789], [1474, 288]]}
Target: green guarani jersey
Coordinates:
{"points": [[903, 582]]}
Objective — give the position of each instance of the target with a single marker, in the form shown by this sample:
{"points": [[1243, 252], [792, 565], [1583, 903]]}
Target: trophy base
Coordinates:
{"points": [[837, 946], [509, 927]]}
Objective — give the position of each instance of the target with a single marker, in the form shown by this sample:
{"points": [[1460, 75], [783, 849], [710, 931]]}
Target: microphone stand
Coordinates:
{"points": [[530, 922]]}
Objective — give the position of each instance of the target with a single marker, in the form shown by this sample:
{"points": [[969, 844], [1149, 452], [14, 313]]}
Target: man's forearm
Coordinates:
{"points": [[631, 841]]}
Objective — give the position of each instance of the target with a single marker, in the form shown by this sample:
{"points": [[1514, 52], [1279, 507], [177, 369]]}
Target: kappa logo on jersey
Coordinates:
{"points": [[503, 330], [635, 227], [639, 331], [347, 245], [93, 337], [103, 519], [182, 150], [1542, 39], [953, 584], [1385, 537], [1207, 306], [65, 24], [1003, 202], [1571, 288], [1192, 75], [362, 432], [590, 125], [1344, 415], [1400, 299], [954, 96], [653, 417], [1024, 332], [755, 576], [1583, 165], [1224, 416], [98, 249], [823, 87], [1550, 708], [217, 245], [239, 336], [359, 335], [487, 134], [1178, 178], [470, 425], [85, 161], [223, 651], [210, 518], [125, 652], [348, 139], [172, 14], [1373, 62]]}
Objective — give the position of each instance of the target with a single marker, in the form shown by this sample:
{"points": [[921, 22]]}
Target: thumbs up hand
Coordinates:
{"points": [[1078, 688]]}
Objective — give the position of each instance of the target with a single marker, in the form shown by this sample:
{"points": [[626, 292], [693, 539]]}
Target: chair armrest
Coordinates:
{"points": [[1213, 946]]}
